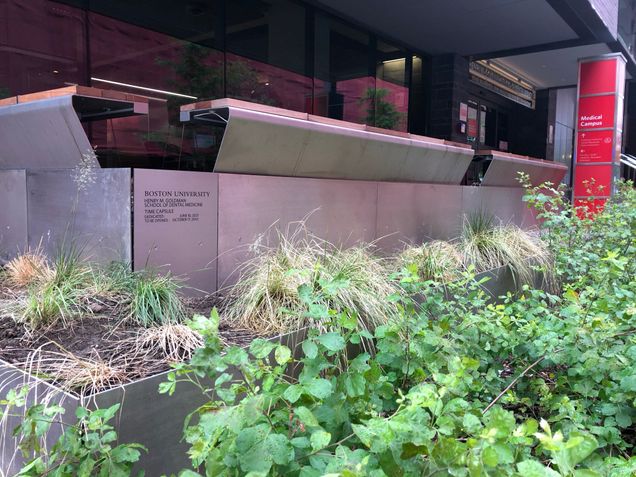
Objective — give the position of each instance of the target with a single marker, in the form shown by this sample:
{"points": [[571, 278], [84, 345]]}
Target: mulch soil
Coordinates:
{"points": [[97, 335]]}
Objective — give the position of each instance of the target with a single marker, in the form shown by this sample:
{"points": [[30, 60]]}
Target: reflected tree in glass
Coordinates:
{"points": [[380, 112]]}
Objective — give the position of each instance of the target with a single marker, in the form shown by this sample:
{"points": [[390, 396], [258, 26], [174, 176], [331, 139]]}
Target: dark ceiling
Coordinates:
{"points": [[467, 27]]}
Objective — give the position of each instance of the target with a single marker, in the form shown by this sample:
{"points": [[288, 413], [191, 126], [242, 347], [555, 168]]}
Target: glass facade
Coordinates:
{"points": [[276, 52]]}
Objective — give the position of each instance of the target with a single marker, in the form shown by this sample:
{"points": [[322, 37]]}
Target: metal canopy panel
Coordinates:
{"points": [[274, 141], [504, 168], [44, 134], [43, 131]]}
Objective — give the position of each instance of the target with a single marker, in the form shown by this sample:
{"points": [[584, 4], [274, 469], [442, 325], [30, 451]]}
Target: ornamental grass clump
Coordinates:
{"points": [[43, 306], [437, 260], [172, 342], [28, 268], [83, 375], [59, 294], [266, 299], [154, 300], [487, 245], [366, 284]]}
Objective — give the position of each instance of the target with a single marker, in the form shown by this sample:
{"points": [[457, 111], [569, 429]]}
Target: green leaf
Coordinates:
{"points": [[293, 393], [363, 433], [410, 450], [86, 467], [306, 416], [319, 387], [586, 473], [489, 456], [236, 356], [282, 354], [533, 468], [300, 442], [123, 454], [582, 449], [471, 423], [253, 453], [280, 449], [261, 348], [332, 341], [355, 385], [319, 440], [628, 383], [310, 349]]}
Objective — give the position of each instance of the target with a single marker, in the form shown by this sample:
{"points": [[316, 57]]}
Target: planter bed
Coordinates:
{"points": [[146, 417]]}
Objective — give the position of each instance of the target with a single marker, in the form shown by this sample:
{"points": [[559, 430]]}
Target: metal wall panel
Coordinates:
{"points": [[416, 213], [343, 212], [175, 225], [13, 214], [40, 392], [96, 219], [504, 203], [45, 134]]}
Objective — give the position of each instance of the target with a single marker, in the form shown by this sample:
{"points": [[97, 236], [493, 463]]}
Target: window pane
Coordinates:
{"points": [[418, 97], [265, 40], [392, 94], [169, 70], [343, 88], [194, 21], [252, 80], [42, 46], [269, 31]]}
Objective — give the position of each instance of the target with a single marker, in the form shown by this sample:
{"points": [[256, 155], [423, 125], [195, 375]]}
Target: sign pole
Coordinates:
{"points": [[599, 130]]}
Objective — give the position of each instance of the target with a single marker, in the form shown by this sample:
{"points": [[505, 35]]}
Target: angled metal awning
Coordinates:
{"points": [[264, 140], [43, 130], [503, 169]]}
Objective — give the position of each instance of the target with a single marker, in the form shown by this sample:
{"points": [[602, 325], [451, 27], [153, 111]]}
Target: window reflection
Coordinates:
{"points": [[391, 99], [252, 80], [41, 46], [265, 40], [343, 79], [168, 70]]}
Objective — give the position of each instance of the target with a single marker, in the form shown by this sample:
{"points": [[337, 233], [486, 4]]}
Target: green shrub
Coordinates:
{"points": [[538, 384]]}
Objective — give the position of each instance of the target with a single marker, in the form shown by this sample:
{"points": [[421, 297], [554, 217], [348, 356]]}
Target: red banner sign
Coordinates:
{"points": [[598, 129], [597, 112], [594, 146]]}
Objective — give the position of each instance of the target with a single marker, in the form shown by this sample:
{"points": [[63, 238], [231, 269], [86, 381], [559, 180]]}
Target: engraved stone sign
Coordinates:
{"points": [[175, 225]]}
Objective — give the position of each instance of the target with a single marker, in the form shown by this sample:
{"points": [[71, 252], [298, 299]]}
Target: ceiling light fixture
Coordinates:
{"points": [[143, 88]]}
